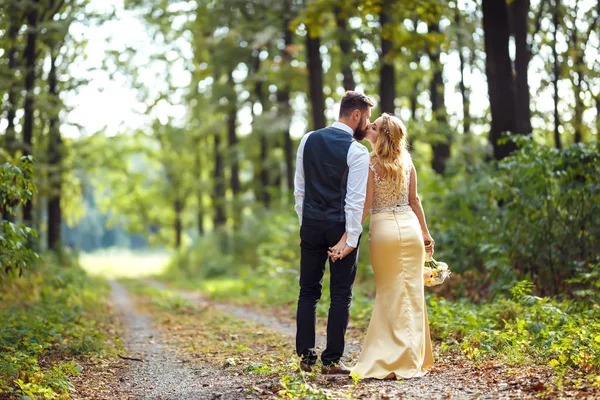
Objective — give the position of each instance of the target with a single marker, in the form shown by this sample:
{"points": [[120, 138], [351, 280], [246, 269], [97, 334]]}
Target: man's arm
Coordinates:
{"points": [[299, 178], [358, 175]]}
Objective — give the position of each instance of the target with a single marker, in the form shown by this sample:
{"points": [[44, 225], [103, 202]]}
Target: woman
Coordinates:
{"points": [[398, 343]]}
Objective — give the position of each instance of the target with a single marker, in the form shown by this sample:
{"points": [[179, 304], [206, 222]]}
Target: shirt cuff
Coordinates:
{"points": [[352, 239]]}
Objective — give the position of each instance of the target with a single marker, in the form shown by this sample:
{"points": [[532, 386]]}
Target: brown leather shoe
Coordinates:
{"points": [[306, 367], [335, 369]]}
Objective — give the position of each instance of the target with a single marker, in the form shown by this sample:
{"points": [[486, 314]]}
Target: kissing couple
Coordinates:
{"points": [[337, 183]]}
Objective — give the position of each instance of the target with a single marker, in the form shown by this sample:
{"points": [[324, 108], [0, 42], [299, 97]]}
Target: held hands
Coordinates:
{"points": [[340, 250], [429, 242]]}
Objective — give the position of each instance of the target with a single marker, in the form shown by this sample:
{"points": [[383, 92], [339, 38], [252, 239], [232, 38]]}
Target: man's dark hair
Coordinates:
{"points": [[352, 101]]}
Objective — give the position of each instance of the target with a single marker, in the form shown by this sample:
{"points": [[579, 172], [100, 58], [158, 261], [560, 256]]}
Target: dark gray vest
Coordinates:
{"points": [[326, 174]]}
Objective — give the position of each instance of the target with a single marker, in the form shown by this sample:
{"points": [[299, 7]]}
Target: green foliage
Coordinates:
{"points": [[587, 284], [16, 189], [534, 215], [47, 317], [297, 386], [525, 328]]}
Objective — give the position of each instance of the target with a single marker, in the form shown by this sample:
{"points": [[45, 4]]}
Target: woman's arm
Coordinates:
{"points": [[369, 198], [417, 207]]}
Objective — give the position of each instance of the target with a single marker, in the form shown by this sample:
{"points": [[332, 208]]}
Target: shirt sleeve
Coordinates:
{"points": [[356, 191], [299, 179]]}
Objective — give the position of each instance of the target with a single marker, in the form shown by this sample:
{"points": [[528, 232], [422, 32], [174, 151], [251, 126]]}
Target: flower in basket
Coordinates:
{"points": [[434, 272]]}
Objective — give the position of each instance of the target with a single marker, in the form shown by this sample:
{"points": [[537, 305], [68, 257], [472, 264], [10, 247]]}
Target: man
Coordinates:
{"points": [[330, 188]]}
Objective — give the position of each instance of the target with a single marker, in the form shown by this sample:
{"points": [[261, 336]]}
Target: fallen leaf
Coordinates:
{"points": [[537, 387]]}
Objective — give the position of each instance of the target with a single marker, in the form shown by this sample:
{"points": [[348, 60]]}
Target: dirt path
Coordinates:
{"points": [[452, 377], [161, 375]]}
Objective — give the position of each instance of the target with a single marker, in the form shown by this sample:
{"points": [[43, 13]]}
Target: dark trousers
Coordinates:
{"points": [[316, 238]]}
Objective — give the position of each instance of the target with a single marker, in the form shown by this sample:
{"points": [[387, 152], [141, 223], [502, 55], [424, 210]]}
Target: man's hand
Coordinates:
{"points": [[340, 250]]}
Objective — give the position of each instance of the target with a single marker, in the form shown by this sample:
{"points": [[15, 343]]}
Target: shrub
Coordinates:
{"points": [[45, 320], [15, 190], [533, 215]]}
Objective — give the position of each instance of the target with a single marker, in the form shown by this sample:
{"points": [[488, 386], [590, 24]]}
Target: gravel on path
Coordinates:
{"points": [[161, 375], [451, 377]]}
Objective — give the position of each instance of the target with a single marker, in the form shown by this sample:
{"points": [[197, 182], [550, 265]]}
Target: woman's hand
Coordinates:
{"points": [[429, 242], [340, 250]]}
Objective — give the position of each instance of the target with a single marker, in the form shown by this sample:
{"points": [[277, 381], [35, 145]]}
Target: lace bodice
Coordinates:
{"points": [[387, 193]]}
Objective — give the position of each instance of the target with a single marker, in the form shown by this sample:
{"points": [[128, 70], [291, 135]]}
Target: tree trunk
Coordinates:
{"points": [[178, 225], [597, 99], [413, 99], [576, 82], [264, 172], [579, 108], [30, 64], [501, 89], [520, 22], [219, 184], [415, 91], [55, 157], [346, 48], [283, 98], [315, 78], [232, 137], [464, 93], [555, 78], [10, 137], [261, 171], [441, 146], [233, 151], [199, 192], [387, 77], [11, 102]]}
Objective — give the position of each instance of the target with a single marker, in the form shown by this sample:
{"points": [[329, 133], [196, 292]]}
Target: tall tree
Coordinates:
{"points": [[498, 66], [441, 145], [62, 14], [233, 148], [597, 100], [387, 76], [218, 197], [341, 19], [580, 73], [464, 92], [30, 77], [198, 167], [14, 17], [283, 96], [315, 78], [520, 23], [55, 157], [556, 73], [261, 168]]}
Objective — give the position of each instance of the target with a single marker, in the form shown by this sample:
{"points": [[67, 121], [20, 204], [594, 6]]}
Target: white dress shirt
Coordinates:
{"points": [[356, 188]]}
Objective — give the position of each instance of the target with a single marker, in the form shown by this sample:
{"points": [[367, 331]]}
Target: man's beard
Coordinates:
{"points": [[359, 133]]}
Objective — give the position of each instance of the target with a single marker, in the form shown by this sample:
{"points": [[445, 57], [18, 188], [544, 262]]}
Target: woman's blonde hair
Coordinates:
{"points": [[391, 149]]}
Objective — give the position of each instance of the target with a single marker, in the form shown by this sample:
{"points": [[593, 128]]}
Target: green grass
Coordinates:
{"points": [[48, 318]]}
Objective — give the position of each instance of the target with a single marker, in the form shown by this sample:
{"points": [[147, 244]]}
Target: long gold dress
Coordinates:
{"points": [[398, 342]]}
